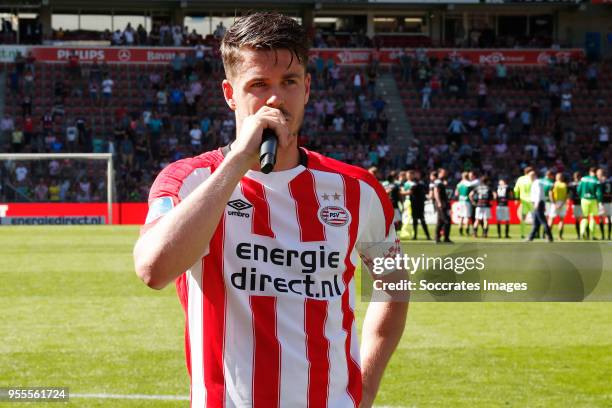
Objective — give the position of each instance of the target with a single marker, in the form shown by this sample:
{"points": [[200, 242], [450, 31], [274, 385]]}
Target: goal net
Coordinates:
{"points": [[76, 188]]}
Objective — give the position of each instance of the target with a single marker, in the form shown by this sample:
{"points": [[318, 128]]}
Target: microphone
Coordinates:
{"points": [[267, 150]]}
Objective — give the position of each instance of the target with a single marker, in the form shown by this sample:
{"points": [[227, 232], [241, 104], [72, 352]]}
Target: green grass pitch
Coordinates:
{"points": [[75, 314]]}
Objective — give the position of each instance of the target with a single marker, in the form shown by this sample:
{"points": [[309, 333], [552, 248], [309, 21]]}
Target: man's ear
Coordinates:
{"points": [[307, 80], [228, 94]]}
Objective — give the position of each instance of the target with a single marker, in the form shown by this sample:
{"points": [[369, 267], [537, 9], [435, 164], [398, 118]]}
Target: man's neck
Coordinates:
{"points": [[286, 158]]}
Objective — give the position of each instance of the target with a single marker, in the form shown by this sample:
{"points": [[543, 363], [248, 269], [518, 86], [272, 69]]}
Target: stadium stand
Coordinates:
{"points": [[151, 115], [174, 35], [499, 118], [492, 118]]}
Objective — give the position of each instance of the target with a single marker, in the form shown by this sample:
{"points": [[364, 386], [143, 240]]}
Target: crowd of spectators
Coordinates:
{"points": [[161, 34], [332, 39], [168, 34], [182, 113], [509, 118], [29, 31], [346, 117], [8, 35], [53, 181], [486, 38], [53, 132]]}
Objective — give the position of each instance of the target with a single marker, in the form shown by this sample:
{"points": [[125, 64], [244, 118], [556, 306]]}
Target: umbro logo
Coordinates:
{"points": [[239, 206]]}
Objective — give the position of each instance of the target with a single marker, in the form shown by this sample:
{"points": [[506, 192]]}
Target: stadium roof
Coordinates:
{"points": [[229, 7]]}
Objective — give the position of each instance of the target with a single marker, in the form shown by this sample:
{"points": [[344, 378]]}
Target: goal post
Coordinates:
{"points": [[108, 157]]}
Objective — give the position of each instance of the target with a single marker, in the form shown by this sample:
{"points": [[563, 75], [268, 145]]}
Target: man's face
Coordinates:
{"points": [[601, 175], [265, 79]]}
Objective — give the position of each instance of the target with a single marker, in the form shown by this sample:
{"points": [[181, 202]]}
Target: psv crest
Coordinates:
{"points": [[334, 216]]}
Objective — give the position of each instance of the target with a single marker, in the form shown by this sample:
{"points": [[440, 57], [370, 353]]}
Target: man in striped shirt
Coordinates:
{"points": [[264, 264]]}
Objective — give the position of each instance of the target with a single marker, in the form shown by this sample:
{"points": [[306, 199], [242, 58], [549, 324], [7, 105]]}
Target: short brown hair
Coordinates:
{"points": [[263, 31]]}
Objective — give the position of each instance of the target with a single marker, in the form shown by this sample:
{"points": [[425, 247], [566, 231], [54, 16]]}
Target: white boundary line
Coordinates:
{"points": [[154, 397], [131, 397]]}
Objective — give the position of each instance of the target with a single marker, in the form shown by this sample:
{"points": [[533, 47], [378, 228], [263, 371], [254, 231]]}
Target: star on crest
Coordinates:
{"points": [[325, 196], [337, 196]]}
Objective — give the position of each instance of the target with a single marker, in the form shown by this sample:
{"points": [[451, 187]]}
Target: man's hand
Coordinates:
{"points": [[176, 242], [248, 141]]}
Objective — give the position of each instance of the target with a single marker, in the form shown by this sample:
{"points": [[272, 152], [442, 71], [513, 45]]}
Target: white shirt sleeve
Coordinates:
{"points": [[376, 240]]}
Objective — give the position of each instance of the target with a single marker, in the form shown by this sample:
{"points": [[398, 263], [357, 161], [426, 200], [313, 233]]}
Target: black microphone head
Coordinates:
{"points": [[267, 150]]}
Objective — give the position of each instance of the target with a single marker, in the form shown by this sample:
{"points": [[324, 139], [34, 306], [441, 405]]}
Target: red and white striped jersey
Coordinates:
{"points": [[270, 305]]}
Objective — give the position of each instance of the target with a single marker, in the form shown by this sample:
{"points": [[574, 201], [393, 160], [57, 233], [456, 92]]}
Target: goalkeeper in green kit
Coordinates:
{"points": [[589, 191]]}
